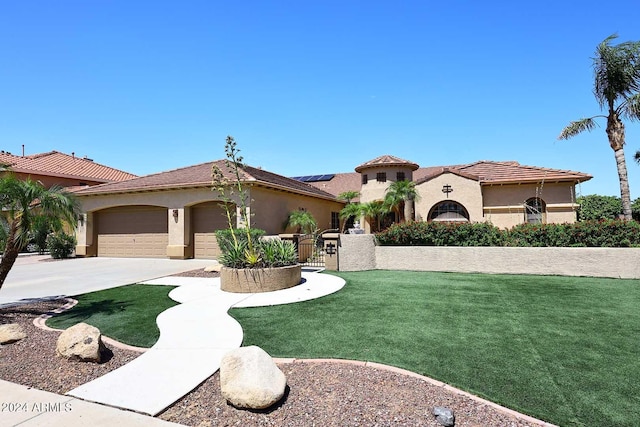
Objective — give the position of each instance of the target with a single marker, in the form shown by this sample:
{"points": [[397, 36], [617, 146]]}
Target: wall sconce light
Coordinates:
{"points": [[81, 219], [175, 213]]}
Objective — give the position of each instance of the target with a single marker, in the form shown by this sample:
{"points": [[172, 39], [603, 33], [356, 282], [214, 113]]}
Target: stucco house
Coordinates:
{"points": [[65, 170], [175, 214], [503, 193]]}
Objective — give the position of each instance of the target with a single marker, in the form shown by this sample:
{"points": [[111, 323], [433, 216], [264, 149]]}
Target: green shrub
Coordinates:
{"points": [[268, 253], [225, 239], [61, 245], [602, 233], [441, 234]]}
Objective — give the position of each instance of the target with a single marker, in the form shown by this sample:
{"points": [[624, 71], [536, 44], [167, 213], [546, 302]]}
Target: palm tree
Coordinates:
{"points": [[350, 210], [303, 221], [372, 211], [24, 202], [617, 88], [348, 196], [402, 193]]}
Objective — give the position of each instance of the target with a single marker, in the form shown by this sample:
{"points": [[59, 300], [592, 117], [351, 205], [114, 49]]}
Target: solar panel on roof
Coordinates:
{"points": [[314, 178]]}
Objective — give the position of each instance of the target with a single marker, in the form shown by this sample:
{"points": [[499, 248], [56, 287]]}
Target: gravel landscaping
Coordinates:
{"points": [[319, 394]]}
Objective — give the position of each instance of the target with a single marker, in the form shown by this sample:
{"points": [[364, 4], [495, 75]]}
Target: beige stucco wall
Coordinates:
{"points": [[504, 204], [272, 208], [269, 210], [374, 190], [466, 191], [359, 253]]}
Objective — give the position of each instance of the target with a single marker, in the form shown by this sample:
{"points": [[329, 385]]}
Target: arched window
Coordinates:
{"points": [[534, 210], [448, 211]]}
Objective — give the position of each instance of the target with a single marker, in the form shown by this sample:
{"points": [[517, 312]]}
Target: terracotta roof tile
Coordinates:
{"points": [[200, 176], [512, 172], [386, 160], [59, 164]]}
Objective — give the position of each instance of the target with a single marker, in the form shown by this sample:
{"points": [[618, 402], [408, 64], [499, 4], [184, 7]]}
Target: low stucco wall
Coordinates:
{"points": [[596, 262], [356, 252]]}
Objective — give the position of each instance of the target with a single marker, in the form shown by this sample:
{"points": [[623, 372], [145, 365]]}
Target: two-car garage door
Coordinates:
{"points": [[133, 231]]}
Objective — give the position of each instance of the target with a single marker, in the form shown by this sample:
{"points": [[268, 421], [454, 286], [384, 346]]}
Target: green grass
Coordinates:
{"points": [[566, 350], [127, 314]]}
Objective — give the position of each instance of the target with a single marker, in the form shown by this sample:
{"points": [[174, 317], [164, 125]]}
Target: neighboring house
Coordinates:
{"points": [[55, 168], [175, 214], [503, 193]]}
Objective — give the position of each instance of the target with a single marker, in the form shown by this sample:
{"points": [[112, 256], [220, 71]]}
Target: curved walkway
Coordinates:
{"points": [[194, 336]]}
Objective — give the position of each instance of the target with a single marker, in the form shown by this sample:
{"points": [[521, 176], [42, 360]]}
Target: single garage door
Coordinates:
{"points": [[206, 218], [133, 232]]}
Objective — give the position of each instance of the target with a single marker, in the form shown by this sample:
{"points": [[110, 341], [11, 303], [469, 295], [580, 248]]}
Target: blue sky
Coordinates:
{"points": [[310, 87]]}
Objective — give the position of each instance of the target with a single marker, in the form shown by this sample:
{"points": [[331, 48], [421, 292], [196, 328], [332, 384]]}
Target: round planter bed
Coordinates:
{"points": [[252, 280]]}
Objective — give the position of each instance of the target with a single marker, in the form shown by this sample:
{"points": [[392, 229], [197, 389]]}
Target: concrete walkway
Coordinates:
{"points": [[194, 336], [28, 407]]}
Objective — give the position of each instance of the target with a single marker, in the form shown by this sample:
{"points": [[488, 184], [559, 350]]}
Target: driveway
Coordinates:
{"points": [[40, 277]]}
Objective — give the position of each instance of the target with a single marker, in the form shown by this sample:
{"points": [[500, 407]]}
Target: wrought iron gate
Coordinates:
{"points": [[311, 250]]}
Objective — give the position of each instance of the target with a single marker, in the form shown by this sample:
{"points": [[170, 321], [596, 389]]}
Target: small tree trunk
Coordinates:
{"points": [[408, 210], [615, 132], [9, 256]]}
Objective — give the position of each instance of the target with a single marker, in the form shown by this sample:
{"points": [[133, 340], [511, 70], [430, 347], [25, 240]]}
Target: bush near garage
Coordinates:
{"points": [[61, 245]]}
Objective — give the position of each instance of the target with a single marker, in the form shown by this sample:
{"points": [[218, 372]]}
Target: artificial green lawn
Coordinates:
{"points": [[559, 348], [127, 314], [563, 349]]}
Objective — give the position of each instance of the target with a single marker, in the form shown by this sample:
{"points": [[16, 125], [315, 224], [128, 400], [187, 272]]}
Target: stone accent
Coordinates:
{"points": [[81, 342], [249, 378], [252, 280], [11, 332], [444, 416]]}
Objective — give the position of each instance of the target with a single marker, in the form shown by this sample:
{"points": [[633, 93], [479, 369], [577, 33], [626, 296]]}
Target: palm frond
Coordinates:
{"points": [[631, 107], [616, 71], [637, 157], [577, 127]]}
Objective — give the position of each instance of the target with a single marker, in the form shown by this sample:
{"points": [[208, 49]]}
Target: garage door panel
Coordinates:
{"points": [[206, 246], [206, 219], [133, 231]]}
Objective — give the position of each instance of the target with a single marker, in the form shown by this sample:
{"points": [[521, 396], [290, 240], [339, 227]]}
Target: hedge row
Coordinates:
{"points": [[603, 233]]}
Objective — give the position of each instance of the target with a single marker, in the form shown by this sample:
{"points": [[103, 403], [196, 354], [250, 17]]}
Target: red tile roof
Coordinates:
{"points": [[59, 164], [486, 172], [200, 176], [386, 160]]}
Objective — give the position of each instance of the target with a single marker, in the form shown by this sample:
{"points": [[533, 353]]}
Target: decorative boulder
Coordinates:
{"points": [[249, 378], [444, 416], [81, 342], [11, 332]]}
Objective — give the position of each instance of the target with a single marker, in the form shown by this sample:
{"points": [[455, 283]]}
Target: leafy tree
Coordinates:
{"points": [[596, 207], [303, 221], [24, 202], [401, 193], [635, 209], [616, 87]]}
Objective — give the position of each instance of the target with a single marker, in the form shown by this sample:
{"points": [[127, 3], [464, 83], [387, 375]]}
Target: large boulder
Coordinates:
{"points": [[81, 342], [249, 378], [11, 332]]}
